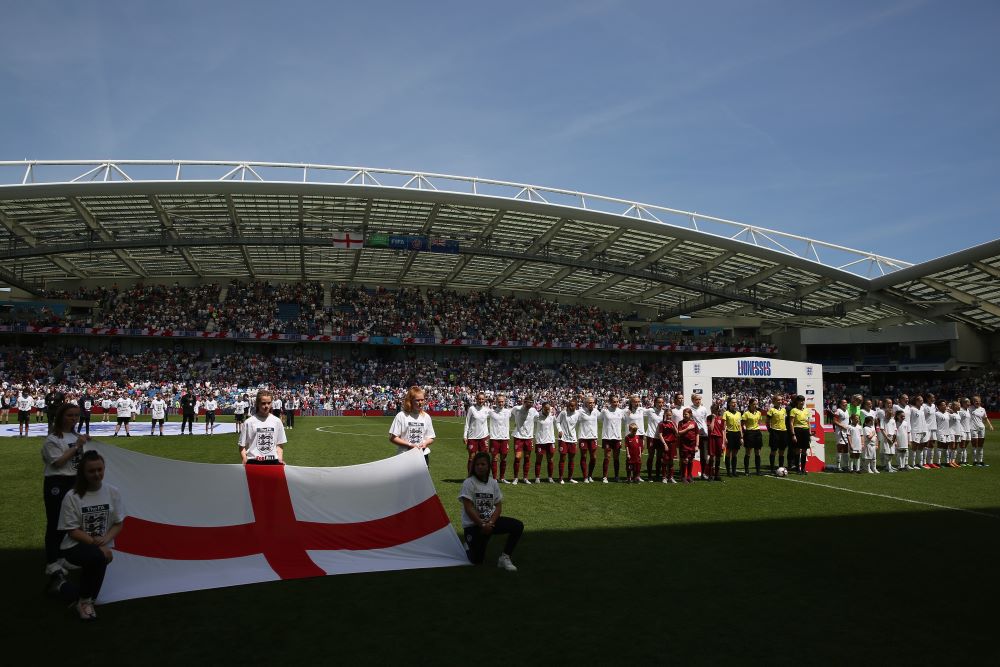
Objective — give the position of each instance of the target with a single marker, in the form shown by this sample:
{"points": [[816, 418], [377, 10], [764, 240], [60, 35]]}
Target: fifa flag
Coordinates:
{"points": [[192, 526], [347, 241]]}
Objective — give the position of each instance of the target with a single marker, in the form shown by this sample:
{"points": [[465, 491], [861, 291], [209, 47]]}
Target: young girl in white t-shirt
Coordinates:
{"points": [[902, 439], [854, 441], [869, 448]]}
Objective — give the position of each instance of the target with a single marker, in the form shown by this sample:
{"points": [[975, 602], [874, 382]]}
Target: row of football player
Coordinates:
{"points": [[663, 433], [917, 434]]}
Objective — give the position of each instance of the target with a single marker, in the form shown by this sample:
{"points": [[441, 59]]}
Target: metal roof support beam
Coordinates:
{"points": [[364, 238], [302, 246], [234, 221], [651, 258], [987, 268], [18, 231], [964, 297], [710, 265], [424, 231], [586, 257], [798, 293], [537, 245], [693, 305], [96, 227], [483, 235], [701, 270], [168, 226], [758, 277]]}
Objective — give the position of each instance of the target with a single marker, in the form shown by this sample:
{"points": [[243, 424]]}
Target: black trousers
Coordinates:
{"points": [[55, 488], [189, 420], [93, 565], [477, 542], [84, 422], [291, 418]]}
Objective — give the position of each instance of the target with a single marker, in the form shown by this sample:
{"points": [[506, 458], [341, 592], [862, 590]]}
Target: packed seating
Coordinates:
{"points": [[299, 308], [376, 385]]}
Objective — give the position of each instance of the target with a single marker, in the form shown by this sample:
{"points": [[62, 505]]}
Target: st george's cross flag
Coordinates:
{"points": [[192, 526], [346, 240]]}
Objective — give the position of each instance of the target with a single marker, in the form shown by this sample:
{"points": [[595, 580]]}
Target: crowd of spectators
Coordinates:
{"points": [[378, 385], [305, 308]]}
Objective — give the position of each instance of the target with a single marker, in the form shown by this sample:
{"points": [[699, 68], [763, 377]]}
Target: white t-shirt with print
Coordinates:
{"points": [[412, 429], [262, 437], [484, 496], [94, 514], [54, 447]]}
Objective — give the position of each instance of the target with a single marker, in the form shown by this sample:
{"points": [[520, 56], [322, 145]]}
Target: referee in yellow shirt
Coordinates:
{"points": [[777, 433], [734, 435], [800, 431], [752, 437]]}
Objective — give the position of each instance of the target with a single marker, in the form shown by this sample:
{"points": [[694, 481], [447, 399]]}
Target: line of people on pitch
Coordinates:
{"points": [[915, 434], [715, 434]]}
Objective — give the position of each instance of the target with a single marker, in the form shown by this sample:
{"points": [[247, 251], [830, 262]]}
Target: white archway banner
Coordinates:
{"points": [[699, 377]]}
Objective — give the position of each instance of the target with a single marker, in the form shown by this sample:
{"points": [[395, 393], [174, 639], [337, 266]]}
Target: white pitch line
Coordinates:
{"points": [[370, 435], [882, 495]]}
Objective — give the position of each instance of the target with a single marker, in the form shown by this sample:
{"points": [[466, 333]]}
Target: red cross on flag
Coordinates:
{"points": [[347, 241], [192, 526]]}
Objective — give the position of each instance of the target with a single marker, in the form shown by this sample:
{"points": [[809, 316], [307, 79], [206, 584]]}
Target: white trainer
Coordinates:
{"points": [[538, 480], [604, 480], [514, 482], [504, 481], [573, 481], [562, 481], [551, 481], [504, 563], [586, 480], [527, 481]]}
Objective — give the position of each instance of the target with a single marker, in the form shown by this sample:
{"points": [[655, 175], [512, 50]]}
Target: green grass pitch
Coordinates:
{"points": [[756, 570]]}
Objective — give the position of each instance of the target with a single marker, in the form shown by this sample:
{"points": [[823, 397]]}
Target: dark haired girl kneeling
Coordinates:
{"points": [[92, 515], [482, 504]]}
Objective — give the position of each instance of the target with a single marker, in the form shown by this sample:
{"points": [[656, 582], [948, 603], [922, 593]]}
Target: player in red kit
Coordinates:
{"points": [[687, 438], [668, 442], [633, 447]]}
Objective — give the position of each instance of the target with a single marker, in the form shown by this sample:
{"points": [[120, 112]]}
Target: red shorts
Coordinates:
{"points": [[715, 445], [477, 445], [545, 448], [612, 444], [567, 447], [688, 450], [522, 445], [588, 444], [499, 446], [634, 455], [671, 449]]}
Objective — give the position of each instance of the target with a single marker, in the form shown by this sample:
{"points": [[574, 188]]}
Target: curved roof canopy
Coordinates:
{"points": [[159, 220]]}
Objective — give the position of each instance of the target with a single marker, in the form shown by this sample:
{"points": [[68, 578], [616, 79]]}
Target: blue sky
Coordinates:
{"points": [[870, 124]]}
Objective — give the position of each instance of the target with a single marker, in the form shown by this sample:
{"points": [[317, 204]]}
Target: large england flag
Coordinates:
{"points": [[192, 526]]}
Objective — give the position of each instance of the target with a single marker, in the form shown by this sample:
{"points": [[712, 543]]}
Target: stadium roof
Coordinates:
{"points": [[160, 220]]}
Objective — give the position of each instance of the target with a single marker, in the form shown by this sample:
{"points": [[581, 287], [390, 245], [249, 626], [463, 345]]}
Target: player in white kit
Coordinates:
{"points": [[524, 430], [611, 435], [499, 427]]}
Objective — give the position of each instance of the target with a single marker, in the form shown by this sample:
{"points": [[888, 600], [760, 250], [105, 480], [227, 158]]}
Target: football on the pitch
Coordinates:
{"points": [[781, 472]]}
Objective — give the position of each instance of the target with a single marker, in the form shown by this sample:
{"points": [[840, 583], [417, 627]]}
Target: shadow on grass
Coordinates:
{"points": [[899, 588]]}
